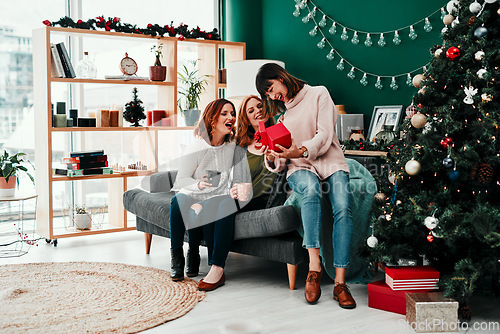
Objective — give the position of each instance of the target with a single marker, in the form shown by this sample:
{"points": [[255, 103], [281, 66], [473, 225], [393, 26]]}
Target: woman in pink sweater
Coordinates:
{"points": [[316, 163]]}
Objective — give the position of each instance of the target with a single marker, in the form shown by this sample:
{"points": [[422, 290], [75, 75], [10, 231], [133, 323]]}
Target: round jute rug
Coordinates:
{"points": [[90, 297]]}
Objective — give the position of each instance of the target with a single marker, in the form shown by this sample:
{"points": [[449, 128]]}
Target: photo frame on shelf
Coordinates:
{"points": [[384, 115]]}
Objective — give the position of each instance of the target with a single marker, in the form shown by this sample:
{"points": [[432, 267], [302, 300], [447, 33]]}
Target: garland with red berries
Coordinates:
{"points": [[115, 24]]}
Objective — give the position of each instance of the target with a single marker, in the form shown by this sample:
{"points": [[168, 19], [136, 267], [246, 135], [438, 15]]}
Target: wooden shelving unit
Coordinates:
{"points": [[166, 99]]}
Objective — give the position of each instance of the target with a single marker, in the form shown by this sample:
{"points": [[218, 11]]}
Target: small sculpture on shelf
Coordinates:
{"points": [[138, 166], [134, 111]]}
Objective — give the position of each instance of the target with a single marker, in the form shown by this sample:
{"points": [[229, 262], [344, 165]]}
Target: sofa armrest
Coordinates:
{"points": [[159, 182]]}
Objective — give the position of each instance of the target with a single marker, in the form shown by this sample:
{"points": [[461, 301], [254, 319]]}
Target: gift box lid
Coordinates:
{"points": [[416, 272], [263, 133], [381, 287]]}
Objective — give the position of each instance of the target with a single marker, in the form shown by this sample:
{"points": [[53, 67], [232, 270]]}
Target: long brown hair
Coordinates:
{"points": [[205, 127], [244, 130], [273, 71]]}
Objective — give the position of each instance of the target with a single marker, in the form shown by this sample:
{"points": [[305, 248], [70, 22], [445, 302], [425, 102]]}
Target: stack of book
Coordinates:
{"points": [[61, 64], [85, 163]]}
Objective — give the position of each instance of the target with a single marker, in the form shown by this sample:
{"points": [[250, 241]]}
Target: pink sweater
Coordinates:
{"points": [[311, 117]]}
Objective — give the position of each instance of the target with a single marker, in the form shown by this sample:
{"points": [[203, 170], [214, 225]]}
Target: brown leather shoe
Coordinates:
{"points": [[312, 291], [204, 286], [342, 294]]}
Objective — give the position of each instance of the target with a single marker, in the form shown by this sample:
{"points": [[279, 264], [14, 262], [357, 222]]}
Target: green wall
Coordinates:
{"points": [[284, 37]]}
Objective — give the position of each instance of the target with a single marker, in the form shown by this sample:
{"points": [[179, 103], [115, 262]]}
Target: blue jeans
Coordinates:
{"points": [[217, 219], [308, 185]]}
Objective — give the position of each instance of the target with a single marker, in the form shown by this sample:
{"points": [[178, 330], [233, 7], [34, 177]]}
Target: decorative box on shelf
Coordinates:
{"points": [[431, 312], [382, 297]]}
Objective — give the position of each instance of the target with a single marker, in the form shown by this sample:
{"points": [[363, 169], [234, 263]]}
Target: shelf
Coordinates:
{"points": [[76, 233], [222, 85], [103, 176], [113, 82], [122, 129]]}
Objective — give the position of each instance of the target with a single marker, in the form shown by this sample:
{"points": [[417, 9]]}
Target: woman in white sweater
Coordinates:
{"points": [[203, 201], [316, 162]]}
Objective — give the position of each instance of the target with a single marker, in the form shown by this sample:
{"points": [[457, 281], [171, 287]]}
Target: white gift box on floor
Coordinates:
{"points": [[431, 312]]}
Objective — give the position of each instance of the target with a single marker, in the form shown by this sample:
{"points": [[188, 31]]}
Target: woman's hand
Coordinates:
{"points": [[233, 192], [288, 153], [203, 184]]}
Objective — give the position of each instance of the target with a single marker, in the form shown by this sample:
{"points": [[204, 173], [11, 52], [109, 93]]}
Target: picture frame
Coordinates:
{"points": [[384, 115]]}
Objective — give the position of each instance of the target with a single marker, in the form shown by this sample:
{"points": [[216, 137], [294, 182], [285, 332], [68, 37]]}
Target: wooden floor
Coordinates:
{"points": [[256, 291]]}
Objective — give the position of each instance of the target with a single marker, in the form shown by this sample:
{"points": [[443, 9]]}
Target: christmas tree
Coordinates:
{"points": [[134, 111], [443, 200]]}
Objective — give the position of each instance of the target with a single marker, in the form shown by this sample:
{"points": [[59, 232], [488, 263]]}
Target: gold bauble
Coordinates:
{"points": [[380, 198], [447, 19], [418, 121], [417, 80], [412, 167]]}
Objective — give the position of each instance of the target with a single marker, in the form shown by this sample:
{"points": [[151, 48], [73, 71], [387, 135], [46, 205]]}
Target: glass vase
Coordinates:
{"points": [[85, 69]]}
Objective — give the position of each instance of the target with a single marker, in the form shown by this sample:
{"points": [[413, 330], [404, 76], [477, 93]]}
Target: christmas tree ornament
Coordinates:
{"points": [[472, 20], [322, 23], [333, 28], [444, 30], [302, 5], [418, 121], [340, 65], [452, 6], [480, 32], [412, 167], [431, 222], [448, 162], [438, 53], [448, 19], [479, 55], [409, 81], [344, 35], [445, 142], [482, 173], [413, 35], [306, 18], [396, 40], [391, 178], [430, 237], [394, 85], [422, 90], [380, 198], [330, 55], [475, 7], [490, 1], [382, 219], [372, 241], [452, 53], [469, 93], [378, 84], [454, 175], [481, 73], [410, 111], [486, 97], [427, 25], [368, 40], [322, 43], [455, 22], [364, 80], [351, 74], [417, 80], [381, 42]]}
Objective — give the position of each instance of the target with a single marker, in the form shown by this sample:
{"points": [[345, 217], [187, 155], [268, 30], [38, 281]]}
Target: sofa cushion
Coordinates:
{"points": [[152, 207], [266, 222]]}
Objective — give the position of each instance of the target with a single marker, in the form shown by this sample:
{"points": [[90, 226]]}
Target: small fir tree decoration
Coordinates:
{"points": [[449, 211], [134, 111]]}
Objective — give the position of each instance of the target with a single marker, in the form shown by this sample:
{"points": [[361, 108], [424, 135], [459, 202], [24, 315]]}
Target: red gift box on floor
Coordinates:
{"points": [[382, 297], [412, 278], [276, 134]]}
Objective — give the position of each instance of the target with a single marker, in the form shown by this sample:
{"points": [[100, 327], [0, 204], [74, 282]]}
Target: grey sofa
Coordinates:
{"points": [[270, 233]]}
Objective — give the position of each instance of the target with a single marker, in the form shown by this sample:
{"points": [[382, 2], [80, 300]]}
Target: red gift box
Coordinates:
{"points": [[412, 278], [382, 297], [275, 134]]}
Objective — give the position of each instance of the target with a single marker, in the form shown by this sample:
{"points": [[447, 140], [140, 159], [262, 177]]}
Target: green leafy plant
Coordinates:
{"points": [[11, 165], [156, 49], [80, 209], [192, 86]]}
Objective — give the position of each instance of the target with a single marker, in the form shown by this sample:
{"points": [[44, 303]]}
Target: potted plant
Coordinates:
{"points": [[82, 218], [191, 88], [157, 72], [11, 166]]}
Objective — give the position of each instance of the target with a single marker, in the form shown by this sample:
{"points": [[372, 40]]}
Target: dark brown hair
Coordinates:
{"points": [[205, 127], [273, 71], [244, 130]]}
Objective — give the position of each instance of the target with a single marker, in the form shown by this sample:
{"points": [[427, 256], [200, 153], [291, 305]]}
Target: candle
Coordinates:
{"points": [[120, 115], [61, 108], [113, 118], [104, 118], [165, 121], [91, 114], [157, 116], [60, 121]]}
